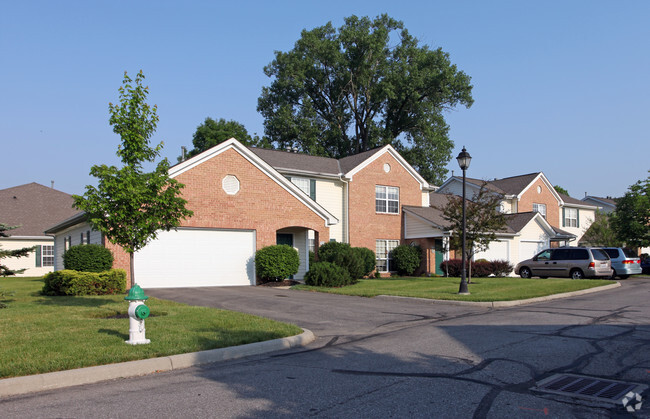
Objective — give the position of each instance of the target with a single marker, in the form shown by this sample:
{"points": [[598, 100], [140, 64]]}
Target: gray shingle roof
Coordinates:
{"points": [[34, 207], [514, 185], [282, 160]]}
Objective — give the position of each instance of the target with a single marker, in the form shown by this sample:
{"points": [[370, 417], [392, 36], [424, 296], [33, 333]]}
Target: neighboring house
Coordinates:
{"points": [[606, 205], [562, 219], [244, 199], [32, 207]]}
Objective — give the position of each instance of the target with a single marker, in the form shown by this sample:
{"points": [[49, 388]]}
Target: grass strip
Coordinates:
{"points": [[41, 334], [481, 289]]}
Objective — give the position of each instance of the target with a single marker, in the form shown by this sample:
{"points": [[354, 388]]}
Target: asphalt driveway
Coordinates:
{"points": [[391, 358]]}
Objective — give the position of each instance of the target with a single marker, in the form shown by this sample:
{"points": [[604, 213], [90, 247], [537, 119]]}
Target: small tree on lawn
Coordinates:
{"points": [[631, 219], [483, 221], [14, 253], [130, 206]]}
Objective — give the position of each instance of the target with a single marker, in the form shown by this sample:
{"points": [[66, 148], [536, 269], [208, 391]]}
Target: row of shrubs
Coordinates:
{"points": [[87, 271], [480, 268]]}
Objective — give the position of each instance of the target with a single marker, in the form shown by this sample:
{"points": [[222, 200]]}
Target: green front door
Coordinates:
{"points": [[439, 256]]}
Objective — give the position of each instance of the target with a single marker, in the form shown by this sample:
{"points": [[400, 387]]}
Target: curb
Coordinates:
{"points": [[514, 303], [60, 379]]}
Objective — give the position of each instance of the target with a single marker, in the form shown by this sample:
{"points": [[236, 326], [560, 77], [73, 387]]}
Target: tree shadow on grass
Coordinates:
{"points": [[73, 301]]}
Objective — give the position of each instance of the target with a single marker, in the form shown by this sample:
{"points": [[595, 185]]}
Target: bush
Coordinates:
{"points": [[407, 259], [480, 268], [69, 282], [88, 258], [501, 268], [275, 263], [343, 255], [326, 274], [368, 258]]}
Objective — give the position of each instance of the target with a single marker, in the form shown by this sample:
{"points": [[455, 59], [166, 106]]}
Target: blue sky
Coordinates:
{"points": [[561, 87]]}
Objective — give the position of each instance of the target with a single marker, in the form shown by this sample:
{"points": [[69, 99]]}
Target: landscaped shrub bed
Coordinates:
{"points": [[69, 282], [407, 258], [326, 274], [355, 260], [480, 268]]}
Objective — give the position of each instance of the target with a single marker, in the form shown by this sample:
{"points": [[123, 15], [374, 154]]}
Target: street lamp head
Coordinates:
{"points": [[464, 159]]}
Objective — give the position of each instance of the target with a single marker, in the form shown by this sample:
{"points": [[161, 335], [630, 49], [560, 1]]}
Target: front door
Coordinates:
{"points": [[439, 257]]}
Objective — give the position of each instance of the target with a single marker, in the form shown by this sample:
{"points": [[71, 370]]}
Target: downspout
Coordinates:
{"points": [[346, 208]]}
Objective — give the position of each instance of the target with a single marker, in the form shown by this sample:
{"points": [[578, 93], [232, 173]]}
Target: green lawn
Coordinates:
{"points": [[481, 289], [42, 334]]}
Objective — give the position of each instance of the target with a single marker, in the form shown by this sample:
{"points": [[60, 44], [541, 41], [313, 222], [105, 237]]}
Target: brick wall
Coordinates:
{"points": [[366, 225], [261, 204], [532, 196]]}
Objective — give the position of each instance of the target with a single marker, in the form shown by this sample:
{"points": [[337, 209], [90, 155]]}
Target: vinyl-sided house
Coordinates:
{"points": [[244, 199], [33, 208]]}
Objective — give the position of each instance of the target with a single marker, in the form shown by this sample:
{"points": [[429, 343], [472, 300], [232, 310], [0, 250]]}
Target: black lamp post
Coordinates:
{"points": [[463, 161]]}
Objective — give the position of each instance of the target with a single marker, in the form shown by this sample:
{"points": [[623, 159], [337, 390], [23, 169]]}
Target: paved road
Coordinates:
{"points": [[387, 357]]}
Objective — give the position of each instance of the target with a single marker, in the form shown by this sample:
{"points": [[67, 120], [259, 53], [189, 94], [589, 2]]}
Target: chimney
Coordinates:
{"points": [[52, 184]]}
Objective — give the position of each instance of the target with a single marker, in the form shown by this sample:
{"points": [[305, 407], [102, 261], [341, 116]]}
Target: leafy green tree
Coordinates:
{"points": [[14, 253], [600, 232], [631, 219], [561, 190], [130, 206], [483, 221], [369, 83], [212, 132]]}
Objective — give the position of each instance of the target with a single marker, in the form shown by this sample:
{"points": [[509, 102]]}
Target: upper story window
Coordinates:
{"points": [[570, 217], [387, 199], [306, 185], [541, 208]]}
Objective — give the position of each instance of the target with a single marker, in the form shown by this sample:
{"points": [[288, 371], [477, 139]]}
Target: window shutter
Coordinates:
{"points": [[38, 256], [88, 237], [312, 189], [563, 218], [577, 217]]}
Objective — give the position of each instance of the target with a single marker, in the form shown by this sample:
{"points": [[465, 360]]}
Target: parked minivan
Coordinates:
{"points": [[572, 262], [624, 262]]}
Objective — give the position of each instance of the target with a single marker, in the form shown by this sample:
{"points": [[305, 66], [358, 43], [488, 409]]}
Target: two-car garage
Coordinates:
{"points": [[197, 257]]}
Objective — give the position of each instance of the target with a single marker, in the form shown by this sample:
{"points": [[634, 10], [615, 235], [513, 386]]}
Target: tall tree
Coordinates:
{"points": [[13, 253], [130, 206], [212, 132], [561, 190], [631, 219], [339, 93], [483, 221]]}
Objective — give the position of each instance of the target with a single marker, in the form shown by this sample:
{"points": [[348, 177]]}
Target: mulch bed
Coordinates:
{"points": [[285, 283]]}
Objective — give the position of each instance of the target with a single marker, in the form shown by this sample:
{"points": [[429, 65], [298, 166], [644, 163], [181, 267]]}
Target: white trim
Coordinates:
{"points": [[424, 185], [262, 166], [548, 184]]}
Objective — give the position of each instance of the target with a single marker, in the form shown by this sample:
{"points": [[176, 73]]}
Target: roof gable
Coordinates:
{"points": [[263, 166], [34, 208]]}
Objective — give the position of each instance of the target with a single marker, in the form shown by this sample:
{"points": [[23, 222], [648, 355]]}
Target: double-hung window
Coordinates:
{"points": [[541, 208], [44, 255], [387, 199], [384, 257], [570, 217], [306, 185]]}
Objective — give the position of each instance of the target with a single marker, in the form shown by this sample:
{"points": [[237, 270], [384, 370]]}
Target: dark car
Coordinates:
{"points": [[645, 265]]}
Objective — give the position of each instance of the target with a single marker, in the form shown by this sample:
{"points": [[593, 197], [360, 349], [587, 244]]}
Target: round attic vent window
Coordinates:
{"points": [[539, 189], [230, 184], [386, 167]]}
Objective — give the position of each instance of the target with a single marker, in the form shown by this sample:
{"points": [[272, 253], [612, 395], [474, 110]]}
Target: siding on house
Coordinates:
{"points": [[74, 233], [28, 262], [330, 194]]}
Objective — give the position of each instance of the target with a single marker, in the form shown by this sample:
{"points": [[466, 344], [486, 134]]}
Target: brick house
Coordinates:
{"points": [[247, 198]]}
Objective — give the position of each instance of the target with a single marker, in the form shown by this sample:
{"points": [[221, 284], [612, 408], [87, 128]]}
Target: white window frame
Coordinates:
{"points": [[386, 199], [383, 249], [47, 255], [570, 217], [540, 208]]}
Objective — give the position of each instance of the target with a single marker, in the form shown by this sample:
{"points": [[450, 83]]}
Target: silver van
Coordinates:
{"points": [[571, 262]]}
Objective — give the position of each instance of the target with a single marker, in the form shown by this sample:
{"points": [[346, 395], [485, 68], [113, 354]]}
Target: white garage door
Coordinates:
{"points": [[528, 249], [498, 250], [197, 258]]}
